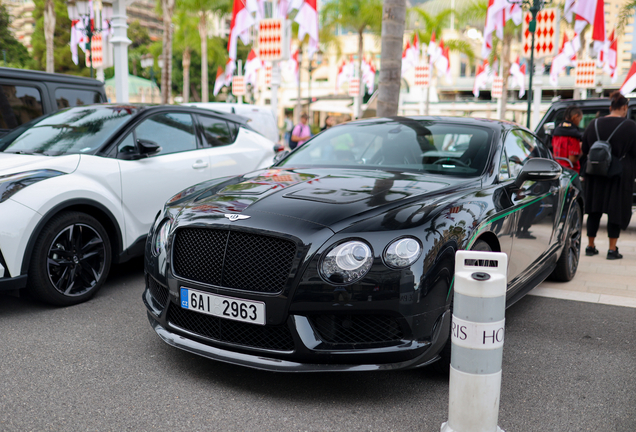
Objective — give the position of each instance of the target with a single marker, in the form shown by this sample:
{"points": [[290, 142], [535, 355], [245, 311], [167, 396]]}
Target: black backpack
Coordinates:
{"points": [[292, 144], [599, 157]]}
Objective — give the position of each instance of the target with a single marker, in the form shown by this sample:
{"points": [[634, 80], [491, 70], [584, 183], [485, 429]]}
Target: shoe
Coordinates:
{"points": [[613, 255], [591, 251], [525, 235]]}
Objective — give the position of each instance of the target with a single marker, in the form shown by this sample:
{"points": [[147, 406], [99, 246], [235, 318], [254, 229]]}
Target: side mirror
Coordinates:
{"points": [[548, 128], [147, 147], [280, 156], [538, 169]]}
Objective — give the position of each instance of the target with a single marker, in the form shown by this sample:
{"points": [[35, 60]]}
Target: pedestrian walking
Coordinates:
{"points": [[610, 194], [566, 139], [300, 133], [289, 125]]}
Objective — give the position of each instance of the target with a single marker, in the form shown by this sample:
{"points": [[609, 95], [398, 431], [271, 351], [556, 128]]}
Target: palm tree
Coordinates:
{"points": [[49, 33], [393, 21], [185, 37], [359, 15], [167, 6], [203, 8], [436, 24], [627, 11]]}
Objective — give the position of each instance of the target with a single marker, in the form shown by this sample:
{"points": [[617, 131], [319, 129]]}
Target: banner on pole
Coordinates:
{"points": [[585, 74], [497, 87], [354, 87], [545, 42], [273, 39], [238, 86], [96, 52], [422, 75], [268, 75]]}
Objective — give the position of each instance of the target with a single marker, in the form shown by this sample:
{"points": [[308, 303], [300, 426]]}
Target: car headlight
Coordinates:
{"points": [[347, 262], [402, 252], [12, 183], [161, 237]]}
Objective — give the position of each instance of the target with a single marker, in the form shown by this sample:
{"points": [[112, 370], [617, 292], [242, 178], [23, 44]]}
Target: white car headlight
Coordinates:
{"points": [[161, 237], [347, 262], [402, 252], [12, 183]]}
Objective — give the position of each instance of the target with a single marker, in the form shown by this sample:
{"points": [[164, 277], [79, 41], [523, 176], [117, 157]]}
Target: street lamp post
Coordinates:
{"points": [[310, 69], [533, 6], [85, 9]]}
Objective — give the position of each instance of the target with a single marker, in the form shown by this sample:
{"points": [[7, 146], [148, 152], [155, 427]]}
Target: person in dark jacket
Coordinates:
{"points": [[611, 195], [566, 139]]}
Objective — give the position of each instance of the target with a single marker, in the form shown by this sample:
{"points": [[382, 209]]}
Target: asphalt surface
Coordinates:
{"points": [[98, 366]]}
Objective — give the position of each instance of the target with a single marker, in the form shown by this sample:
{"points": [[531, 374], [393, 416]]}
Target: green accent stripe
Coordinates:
{"points": [[496, 218]]}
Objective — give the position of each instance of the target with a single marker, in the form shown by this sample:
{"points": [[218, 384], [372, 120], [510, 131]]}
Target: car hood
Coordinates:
{"points": [[11, 163], [326, 197]]}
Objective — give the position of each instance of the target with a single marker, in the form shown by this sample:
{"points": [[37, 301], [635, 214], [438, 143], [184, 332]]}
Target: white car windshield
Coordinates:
{"points": [[74, 130], [399, 144]]}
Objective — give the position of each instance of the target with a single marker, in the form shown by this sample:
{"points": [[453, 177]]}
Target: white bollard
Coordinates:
{"points": [[477, 336]]}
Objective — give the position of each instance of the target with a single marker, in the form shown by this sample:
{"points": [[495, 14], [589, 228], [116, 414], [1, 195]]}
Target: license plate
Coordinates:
{"points": [[223, 307]]}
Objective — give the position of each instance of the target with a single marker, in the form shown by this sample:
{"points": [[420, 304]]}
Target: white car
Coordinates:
{"points": [[80, 188], [261, 118]]}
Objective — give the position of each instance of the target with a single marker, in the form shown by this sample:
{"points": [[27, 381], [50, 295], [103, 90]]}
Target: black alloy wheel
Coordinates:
{"points": [[569, 261], [71, 259]]}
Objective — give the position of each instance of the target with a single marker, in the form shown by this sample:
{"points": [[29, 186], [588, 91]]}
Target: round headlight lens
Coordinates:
{"points": [[347, 262], [161, 237], [403, 252]]}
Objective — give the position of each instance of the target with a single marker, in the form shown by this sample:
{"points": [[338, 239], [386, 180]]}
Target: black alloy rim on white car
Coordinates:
{"points": [[75, 260]]}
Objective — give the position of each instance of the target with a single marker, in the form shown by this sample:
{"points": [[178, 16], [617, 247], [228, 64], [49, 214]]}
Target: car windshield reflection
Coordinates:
{"points": [[75, 130], [399, 144]]}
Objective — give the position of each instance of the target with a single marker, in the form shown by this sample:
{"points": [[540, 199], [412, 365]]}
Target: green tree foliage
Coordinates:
{"points": [[63, 60], [436, 24], [15, 53]]}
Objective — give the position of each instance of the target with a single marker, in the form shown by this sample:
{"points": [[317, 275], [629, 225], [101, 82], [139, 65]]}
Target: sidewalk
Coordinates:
{"points": [[597, 279]]}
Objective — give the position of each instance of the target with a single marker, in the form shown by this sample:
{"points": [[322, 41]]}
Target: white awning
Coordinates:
{"points": [[342, 106]]}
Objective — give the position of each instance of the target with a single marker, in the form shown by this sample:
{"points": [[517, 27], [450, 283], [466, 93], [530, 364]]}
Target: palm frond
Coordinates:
{"points": [[626, 12]]}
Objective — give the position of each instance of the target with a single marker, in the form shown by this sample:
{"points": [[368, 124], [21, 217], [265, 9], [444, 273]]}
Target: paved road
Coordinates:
{"points": [[568, 366]]}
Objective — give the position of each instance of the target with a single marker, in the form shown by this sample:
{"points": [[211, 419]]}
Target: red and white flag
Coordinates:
{"points": [[291, 66], [481, 77], [219, 82], [415, 49], [609, 56], [407, 58], [252, 66], [566, 57], [443, 62], [307, 19], [630, 82], [230, 67], [518, 73], [495, 21], [368, 75], [239, 27], [590, 12]]}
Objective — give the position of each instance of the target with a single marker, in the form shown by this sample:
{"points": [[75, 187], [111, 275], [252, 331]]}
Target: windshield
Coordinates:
{"points": [[399, 144], [73, 130]]}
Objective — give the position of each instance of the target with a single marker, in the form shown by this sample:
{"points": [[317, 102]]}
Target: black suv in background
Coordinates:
{"points": [[26, 95], [591, 108]]}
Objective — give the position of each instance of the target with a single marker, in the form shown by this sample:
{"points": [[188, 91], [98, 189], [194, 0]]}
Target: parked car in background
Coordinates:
{"points": [[592, 108], [80, 188], [26, 95], [261, 118], [341, 256]]}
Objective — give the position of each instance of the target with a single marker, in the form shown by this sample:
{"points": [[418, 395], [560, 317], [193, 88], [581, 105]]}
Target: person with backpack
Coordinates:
{"points": [[610, 145], [566, 139], [300, 133]]}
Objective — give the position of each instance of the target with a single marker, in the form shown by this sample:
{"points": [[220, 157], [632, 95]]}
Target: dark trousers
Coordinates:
{"points": [[593, 222]]}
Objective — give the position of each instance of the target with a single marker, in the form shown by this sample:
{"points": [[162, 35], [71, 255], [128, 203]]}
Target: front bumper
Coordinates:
{"points": [[309, 353]]}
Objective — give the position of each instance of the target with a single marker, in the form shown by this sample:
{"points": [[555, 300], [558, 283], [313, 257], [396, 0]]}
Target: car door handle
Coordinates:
{"points": [[200, 164]]}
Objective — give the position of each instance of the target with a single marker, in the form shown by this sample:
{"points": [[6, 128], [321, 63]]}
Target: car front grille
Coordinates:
{"points": [[356, 329], [232, 259], [158, 292], [276, 338]]}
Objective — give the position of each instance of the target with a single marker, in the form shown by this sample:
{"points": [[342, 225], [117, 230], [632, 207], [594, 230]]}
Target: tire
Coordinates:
{"points": [[70, 261], [568, 263], [443, 364]]}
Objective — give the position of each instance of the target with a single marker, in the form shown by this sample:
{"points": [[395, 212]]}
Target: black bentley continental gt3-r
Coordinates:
{"points": [[340, 257]]}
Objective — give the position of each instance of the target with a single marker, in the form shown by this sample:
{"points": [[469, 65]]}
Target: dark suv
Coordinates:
{"points": [[592, 108], [26, 95]]}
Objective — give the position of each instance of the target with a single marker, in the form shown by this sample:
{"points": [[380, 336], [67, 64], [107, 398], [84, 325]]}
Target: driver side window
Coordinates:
{"points": [[518, 147]]}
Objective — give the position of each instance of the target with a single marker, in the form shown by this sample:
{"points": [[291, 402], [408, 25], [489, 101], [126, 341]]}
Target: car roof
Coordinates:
{"points": [[148, 107], [23, 74], [474, 121], [600, 102]]}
